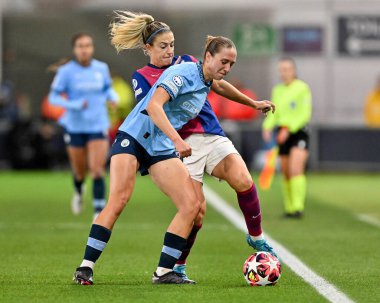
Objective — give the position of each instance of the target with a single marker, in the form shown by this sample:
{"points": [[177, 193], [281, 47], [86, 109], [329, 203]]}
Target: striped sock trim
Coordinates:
{"points": [[175, 253], [96, 244]]}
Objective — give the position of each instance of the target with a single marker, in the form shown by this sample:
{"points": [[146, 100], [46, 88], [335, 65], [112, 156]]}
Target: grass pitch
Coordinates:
{"points": [[42, 243]]}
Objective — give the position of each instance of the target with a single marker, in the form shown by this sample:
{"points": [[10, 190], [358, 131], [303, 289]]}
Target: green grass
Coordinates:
{"points": [[42, 243]]}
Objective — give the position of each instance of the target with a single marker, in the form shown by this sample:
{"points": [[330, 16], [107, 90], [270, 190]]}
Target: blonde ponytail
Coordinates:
{"points": [[131, 30]]}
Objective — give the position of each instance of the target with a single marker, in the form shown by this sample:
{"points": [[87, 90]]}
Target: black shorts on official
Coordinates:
{"points": [[126, 144], [299, 139], [81, 139]]}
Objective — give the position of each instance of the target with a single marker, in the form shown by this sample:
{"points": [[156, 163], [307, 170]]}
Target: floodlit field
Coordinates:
{"points": [[42, 243]]}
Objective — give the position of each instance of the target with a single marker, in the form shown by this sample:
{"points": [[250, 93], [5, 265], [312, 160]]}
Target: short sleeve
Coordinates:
{"points": [[173, 83]]}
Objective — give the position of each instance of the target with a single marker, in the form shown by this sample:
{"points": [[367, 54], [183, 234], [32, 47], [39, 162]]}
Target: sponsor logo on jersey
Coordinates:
{"points": [[124, 143], [134, 83], [178, 80], [190, 108], [98, 76]]}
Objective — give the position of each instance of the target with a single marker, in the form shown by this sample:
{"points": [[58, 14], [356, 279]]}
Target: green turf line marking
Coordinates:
{"points": [[322, 286], [368, 219]]}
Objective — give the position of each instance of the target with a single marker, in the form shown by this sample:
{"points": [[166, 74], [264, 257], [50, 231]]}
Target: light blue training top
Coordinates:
{"points": [[91, 84]]}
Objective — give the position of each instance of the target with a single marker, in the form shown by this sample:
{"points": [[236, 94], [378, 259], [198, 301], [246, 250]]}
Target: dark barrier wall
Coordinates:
{"points": [[348, 148]]}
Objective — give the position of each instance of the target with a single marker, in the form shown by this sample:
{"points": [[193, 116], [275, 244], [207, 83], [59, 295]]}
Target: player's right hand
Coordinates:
{"points": [[183, 148], [85, 104]]}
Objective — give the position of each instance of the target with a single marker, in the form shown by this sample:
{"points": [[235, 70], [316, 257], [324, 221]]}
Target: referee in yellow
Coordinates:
{"points": [[292, 98]]}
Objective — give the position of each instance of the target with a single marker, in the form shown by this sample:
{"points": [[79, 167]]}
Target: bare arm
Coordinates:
{"points": [[227, 90], [159, 118]]}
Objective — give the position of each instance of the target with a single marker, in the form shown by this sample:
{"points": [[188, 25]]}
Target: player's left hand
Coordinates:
{"points": [[265, 106]]}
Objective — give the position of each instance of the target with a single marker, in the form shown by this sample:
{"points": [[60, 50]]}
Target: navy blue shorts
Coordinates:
{"points": [[81, 139], [126, 144]]}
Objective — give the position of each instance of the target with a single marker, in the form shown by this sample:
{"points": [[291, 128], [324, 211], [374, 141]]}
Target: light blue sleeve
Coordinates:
{"points": [[58, 87], [173, 81]]}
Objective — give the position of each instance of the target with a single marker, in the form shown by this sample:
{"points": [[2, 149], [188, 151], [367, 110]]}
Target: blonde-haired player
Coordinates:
{"points": [[212, 151]]}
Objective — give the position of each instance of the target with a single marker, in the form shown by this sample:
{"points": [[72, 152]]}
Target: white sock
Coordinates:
{"points": [[162, 270], [259, 237], [86, 263]]}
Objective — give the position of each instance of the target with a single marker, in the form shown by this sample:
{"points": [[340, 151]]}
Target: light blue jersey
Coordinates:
{"points": [[187, 89], [91, 84]]}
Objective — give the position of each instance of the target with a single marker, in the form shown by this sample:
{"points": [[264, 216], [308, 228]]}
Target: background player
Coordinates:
{"points": [[212, 152], [293, 101], [88, 86]]}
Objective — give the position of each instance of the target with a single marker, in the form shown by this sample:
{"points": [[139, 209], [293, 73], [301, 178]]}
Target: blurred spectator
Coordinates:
{"points": [[8, 105], [230, 110], [372, 107]]}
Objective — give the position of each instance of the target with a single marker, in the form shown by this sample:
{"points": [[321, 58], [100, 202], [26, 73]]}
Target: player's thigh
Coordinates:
{"points": [[234, 170], [97, 153], [297, 161], [284, 161], [123, 169], [78, 160], [173, 179]]}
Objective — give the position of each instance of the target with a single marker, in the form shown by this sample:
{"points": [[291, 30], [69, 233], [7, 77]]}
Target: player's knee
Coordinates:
{"points": [[190, 208], [243, 182], [119, 201]]}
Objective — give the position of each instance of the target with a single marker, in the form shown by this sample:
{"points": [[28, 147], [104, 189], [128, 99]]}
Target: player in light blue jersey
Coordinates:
{"points": [[87, 85], [148, 141]]}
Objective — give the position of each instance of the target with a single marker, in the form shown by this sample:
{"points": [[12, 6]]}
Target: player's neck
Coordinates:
{"points": [[84, 62], [206, 75]]}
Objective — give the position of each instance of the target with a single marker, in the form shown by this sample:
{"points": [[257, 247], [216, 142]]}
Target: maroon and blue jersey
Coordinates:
{"points": [[205, 123]]}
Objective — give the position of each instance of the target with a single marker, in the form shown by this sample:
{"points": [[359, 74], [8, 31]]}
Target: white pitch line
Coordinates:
{"points": [[326, 289], [369, 220]]}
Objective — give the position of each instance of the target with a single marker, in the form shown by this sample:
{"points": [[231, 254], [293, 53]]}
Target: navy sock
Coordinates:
{"points": [[97, 241], [78, 185], [98, 190], [172, 250]]}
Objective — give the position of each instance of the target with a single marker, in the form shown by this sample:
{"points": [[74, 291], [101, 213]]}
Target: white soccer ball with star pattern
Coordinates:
{"points": [[261, 269]]}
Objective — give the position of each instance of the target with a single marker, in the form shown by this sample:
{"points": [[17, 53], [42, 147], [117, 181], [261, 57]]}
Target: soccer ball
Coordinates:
{"points": [[262, 269]]}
